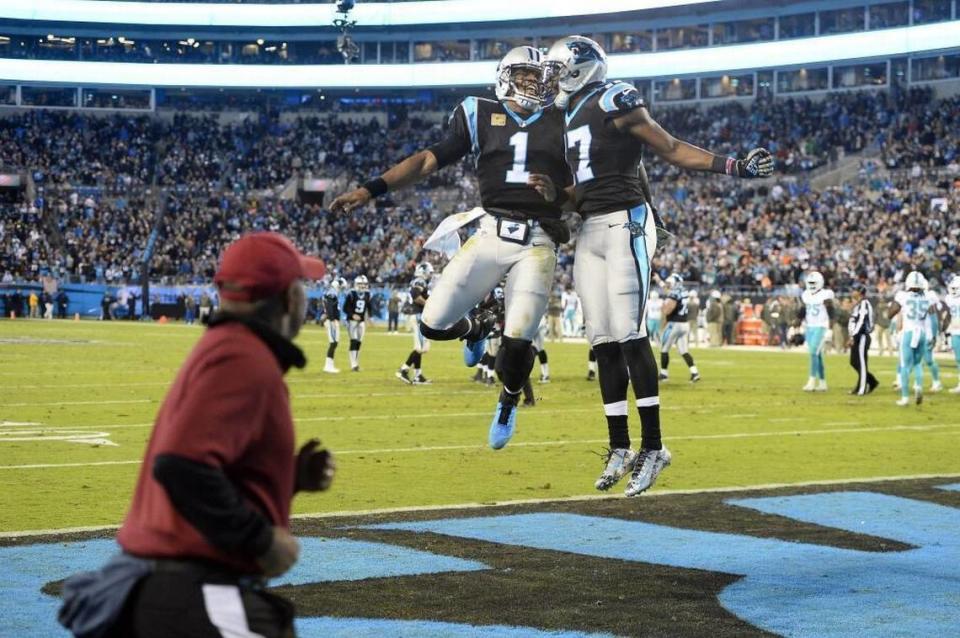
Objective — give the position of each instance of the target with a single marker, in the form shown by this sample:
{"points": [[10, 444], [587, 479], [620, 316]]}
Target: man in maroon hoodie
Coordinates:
{"points": [[211, 512]]}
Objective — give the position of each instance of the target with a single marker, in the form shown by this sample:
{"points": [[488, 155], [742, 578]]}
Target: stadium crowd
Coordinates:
{"points": [[99, 179]]}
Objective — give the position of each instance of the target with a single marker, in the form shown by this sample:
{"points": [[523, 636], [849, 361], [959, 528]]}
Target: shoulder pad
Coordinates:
{"points": [[620, 97]]}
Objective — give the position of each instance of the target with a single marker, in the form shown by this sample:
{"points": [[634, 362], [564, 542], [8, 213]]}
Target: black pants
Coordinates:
{"points": [[393, 321], [858, 360], [193, 604]]}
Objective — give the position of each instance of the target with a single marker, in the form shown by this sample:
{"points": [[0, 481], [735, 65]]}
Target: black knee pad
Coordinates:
{"points": [[542, 355], [354, 344], [518, 354]]}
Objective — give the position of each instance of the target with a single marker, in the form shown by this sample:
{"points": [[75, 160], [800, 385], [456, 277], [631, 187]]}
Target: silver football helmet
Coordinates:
{"points": [[814, 281], [915, 281], [361, 284], [954, 286], [424, 270], [675, 281], [571, 64], [528, 96]]}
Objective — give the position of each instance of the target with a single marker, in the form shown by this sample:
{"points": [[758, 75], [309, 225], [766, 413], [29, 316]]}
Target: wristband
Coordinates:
{"points": [[727, 165], [377, 187]]}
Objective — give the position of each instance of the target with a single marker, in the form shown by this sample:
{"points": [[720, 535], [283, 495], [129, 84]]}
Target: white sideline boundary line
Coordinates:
{"points": [[561, 442], [527, 501]]}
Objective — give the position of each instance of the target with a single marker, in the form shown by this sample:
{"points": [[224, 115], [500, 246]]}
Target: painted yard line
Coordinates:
{"points": [[734, 489], [561, 442], [32, 404]]}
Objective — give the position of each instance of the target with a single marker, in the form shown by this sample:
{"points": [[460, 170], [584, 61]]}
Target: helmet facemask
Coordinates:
{"points": [[521, 84]]}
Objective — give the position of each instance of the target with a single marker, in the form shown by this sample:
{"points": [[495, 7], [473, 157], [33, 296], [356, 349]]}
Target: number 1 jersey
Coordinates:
{"points": [[507, 148]]}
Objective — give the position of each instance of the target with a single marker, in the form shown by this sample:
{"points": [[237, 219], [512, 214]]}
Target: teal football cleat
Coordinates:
{"points": [[504, 420], [473, 351]]}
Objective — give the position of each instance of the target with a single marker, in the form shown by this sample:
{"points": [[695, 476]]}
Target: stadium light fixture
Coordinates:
{"points": [[778, 54]]}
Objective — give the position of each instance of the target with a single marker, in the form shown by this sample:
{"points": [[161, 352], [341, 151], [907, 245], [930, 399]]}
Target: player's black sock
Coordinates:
{"points": [[613, 390], [542, 356], [355, 345], [331, 349], [517, 362], [528, 391], [688, 358], [664, 360], [411, 358], [643, 376], [592, 356], [416, 359]]}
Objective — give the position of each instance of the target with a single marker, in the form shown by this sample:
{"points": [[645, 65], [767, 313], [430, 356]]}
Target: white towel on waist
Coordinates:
{"points": [[445, 239]]}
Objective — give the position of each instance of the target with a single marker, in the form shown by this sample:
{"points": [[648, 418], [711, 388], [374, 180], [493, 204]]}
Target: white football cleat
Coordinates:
{"points": [[903, 401], [811, 385], [331, 369], [649, 465], [936, 387], [620, 462], [821, 386], [955, 390]]}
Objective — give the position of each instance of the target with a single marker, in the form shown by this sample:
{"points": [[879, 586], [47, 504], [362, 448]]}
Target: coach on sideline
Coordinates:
{"points": [[210, 517]]}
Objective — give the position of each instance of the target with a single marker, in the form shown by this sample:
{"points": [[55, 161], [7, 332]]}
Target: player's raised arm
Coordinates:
{"points": [[413, 169], [758, 163]]}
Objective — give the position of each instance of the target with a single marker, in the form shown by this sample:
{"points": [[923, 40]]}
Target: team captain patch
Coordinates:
{"points": [[498, 119]]}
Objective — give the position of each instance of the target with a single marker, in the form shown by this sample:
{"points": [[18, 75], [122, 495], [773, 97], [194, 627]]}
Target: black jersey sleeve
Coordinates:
{"points": [[349, 304], [458, 140]]}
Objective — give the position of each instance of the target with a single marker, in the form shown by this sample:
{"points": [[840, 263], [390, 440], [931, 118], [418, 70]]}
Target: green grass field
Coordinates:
{"points": [[77, 400]]}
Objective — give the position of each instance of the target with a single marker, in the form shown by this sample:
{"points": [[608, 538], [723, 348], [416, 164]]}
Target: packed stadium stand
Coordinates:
{"points": [[112, 178]]}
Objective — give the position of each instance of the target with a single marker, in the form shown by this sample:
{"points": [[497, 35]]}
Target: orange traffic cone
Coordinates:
{"points": [[162, 319]]}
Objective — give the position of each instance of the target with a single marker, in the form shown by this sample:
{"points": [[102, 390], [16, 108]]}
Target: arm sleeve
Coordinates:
{"points": [[349, 304], [828, 304], [801, 312], [206, 498], [457, 143]]}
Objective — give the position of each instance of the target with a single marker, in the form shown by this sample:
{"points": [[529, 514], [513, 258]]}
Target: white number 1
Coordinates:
{"points": [[581, 137], [519, 174]]}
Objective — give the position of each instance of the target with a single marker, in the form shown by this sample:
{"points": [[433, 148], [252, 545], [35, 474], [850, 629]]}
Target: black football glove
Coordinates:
{"points": [[314, 468], [758, 163]]}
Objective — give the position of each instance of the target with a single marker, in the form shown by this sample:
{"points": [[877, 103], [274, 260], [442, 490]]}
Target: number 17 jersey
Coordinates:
{"points": [[605, 161]]}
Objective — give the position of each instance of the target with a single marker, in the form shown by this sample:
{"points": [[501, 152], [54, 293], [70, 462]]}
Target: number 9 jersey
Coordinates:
{"points": [[507, 148]]}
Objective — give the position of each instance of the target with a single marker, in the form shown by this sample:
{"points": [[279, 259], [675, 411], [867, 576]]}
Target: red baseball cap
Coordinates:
{"points": [[259, 265]]}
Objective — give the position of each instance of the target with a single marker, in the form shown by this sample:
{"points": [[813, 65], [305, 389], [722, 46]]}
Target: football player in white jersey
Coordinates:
{"points": [[817, 312], [952, 303], [654, 316], [933, 331], [915, 307]]}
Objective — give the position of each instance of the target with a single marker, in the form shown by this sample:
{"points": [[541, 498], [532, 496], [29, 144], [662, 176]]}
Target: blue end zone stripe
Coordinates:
{"points": [[638, 245], [470, 110]]}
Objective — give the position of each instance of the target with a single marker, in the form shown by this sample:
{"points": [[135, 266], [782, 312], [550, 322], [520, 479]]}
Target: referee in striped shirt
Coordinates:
{"points": [[859, 327]]}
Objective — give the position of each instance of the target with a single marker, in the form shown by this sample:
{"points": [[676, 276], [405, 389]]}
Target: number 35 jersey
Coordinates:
{"points": [[507, 148], [605, 161], [815, 305]]}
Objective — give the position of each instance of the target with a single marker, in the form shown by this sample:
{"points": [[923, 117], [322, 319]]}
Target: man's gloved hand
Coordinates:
{"points": [[758, 163], [315, 468]]}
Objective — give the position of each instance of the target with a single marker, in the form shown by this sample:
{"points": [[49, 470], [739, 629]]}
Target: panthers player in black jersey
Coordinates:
{"points": [[607, 127], [356, 307], [519, 232], [331, 310], [419, 294], [676, 312]]}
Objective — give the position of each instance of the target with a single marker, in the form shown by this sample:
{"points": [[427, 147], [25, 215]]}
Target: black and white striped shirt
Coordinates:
{"points": [[861, 319]]}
